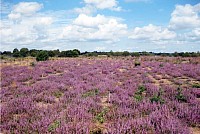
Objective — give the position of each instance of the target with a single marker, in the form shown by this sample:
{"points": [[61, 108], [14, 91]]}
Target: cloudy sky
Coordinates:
{"points": [[101, 25]]}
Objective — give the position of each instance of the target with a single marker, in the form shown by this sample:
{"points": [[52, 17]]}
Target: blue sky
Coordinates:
{"points": [[101, 25]]}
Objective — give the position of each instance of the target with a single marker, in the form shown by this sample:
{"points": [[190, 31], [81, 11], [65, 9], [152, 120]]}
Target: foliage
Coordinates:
{"points": [[157, 98], [42, 56], [24, 52], [180, 96], [58, 94], [100, 117], [125, 53], [138, 95], [90, 93], [137, 63], [52, 127], [196, 85]]}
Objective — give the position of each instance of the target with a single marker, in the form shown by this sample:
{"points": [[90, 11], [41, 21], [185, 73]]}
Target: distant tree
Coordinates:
{"points": [[57, 52], [15, 50], [72, 53], [136, 54], [186, 54], [7, 53], [117, 54], [51, 53], [42, 56], [175, 54], [16, 53], [125, 53], [24, 52], [62, 54], [76, 50], [33, 52]]}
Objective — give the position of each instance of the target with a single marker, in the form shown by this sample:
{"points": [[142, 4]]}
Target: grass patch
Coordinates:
{"points": [[100, 117], [138, 95], [58, 94], [157, 98], [196, 85], [52, 127], [180, 97], [90, 93]]}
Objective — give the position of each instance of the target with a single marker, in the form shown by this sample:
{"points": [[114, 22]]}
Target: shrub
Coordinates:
{"points": [[138, 95], [100, 117], [157, 98], [52, 127], [42, 56], [137, 63], [196, 85], [180, 96], [90, 93]]}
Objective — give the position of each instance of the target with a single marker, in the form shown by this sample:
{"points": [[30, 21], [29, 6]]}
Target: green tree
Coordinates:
{"points": [[51, 53], [33, 52], [76, 50], [135, 54], [42, 56], [24, 52], [15, 50], [125, 53], [16, 53]]}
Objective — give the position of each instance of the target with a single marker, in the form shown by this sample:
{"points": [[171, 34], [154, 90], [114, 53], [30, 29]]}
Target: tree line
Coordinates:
{"points": [[45, 54]]}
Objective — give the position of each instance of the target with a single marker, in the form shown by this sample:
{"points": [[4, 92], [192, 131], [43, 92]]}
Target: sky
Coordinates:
{"points": [[101, 25]]}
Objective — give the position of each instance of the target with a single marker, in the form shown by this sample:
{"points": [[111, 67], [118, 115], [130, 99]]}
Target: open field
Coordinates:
{"points": [[101, 95]]}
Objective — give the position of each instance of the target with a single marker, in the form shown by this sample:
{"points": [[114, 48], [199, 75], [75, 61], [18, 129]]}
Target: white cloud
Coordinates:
{"points": [[193, 36], [24, 25], [152, 33], [101, 28], [87, 21], [14, 16], [185, 17], [24, 9], [102, 4], [88, 9], [27, 7], [137, 0]]}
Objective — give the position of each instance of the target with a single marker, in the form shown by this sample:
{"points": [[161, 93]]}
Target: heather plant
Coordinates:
{"points": [[98, 95]]}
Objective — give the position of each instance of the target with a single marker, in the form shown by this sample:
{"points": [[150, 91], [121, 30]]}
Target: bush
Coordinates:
{"points": [[196, 85], [180, 97], [42, 56], [137, 63]]}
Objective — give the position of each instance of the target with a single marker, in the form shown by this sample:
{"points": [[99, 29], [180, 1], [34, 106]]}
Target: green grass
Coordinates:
{"points": [[180, 97], [58, 94], [100, 116], [52, 127], [138, 95], [90, 93], [196, 85]]}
